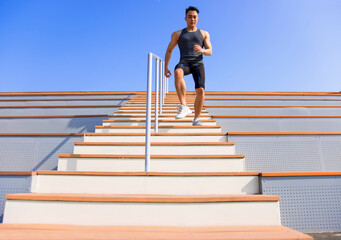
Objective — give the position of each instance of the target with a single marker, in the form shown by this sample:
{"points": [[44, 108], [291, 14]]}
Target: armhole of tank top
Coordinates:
{"points": [[203, 37], [202, 34], [182, 31]]}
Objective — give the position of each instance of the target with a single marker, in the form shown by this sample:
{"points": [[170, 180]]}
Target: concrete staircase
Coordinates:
{"points": [[197, 182]]}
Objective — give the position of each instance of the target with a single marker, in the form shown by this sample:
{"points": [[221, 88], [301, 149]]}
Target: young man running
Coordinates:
{"points": [[191, 41]]}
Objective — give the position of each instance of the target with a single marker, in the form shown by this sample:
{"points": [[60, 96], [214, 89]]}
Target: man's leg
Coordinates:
{"points": [[199, 101], [180, 86], [198, 72]]}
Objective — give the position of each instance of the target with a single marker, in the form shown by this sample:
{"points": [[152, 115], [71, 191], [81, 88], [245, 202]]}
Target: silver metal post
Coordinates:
{"points": [[164, 85], [161, 85], [156, 122], [148, 112], [164, 89]]}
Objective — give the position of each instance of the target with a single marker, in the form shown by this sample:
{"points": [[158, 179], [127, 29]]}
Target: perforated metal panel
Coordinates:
{"points": [[69, 96], [290, 153], [308, 204], [270, 102], [272, 96], [33, 153], [280, 124], [50, 125], [56, 111], [12, 184], [61, 102], [274, 111]]}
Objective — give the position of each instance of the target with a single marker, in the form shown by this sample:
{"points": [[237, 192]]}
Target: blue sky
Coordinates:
{"points": [[102, 45]]}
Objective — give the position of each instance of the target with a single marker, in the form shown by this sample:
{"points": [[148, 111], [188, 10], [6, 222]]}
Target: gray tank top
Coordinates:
{"points": [[186, 42]]}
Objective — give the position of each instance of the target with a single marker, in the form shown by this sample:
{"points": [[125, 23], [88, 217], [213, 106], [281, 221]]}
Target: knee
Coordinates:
{"points": [[178, 74], [200, 92]]}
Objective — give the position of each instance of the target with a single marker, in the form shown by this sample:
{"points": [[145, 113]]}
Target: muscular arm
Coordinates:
{"points": [[171, 46], [207, 44]]}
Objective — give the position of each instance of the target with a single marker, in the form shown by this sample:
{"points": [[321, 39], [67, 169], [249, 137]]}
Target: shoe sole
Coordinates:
{"points": [[180, 117], [183, 116]]}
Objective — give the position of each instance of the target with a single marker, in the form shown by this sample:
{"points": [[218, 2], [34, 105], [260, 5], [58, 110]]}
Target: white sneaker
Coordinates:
{"points": [[183, 111], [197, 123]]}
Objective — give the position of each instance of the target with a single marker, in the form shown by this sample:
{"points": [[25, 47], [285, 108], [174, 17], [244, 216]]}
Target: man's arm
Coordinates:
{"points": [[207, 44], [171, 46]]}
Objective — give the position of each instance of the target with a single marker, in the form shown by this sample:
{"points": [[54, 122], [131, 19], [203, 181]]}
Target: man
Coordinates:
{"points": [[191, 41]]}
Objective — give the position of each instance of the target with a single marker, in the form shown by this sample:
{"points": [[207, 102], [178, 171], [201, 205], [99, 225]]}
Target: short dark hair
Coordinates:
{"points": [[191, 8]]}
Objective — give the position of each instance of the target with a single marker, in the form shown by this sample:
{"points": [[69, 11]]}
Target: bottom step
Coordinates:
{"points": [[142, 209], [72, 232]]}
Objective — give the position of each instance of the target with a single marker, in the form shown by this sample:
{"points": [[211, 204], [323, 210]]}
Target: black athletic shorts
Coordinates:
{"points": [[197, 70]]}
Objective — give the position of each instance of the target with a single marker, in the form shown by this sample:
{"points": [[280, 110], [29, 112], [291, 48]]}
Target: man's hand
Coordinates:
{"points": [[168, 73], [198, 49]]}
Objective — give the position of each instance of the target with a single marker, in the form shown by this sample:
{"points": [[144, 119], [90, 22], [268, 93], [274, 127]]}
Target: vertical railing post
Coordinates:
{"points": [[161, 90], [148, 112], [156, 122], [161, 85], [166, 85]]}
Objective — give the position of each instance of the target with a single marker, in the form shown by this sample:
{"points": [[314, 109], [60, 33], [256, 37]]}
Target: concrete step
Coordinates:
{"points": [[174, 97], [155, 137], [162, 129], [72, 232], [162, 116], [158, 163], [168, 108], [176, 103], [144, 102], [145, 183], [162, 122], [174, 112], [128, 104], [142, 210], [135, 148], [164, 113], [143, 110], [168, 96], [188, 97]]}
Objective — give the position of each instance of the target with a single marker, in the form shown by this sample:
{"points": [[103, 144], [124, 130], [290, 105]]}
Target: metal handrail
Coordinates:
{"points": [[163, 85]]}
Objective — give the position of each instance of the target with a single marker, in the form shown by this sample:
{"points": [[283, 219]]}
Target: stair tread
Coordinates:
{"points": [[272, 106], [85, 173], [151, 156], [130, 104], [124, 107], [156, 134], [160, 120], [156, 143], [161, 115], [142, 111], [142, 198], [276, 116], [73, 232], [171, 126]]}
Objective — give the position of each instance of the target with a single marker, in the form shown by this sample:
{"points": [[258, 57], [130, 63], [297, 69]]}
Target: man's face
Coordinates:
{"points": [[192, 18]]}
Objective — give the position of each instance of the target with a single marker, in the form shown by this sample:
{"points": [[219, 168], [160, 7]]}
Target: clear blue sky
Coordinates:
{"points": [[88, 45]]}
